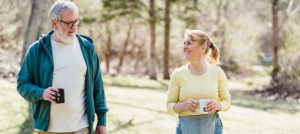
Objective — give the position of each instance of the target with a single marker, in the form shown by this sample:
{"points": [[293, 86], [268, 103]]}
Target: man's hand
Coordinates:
{"points": [[100, 129], [49, 94]]}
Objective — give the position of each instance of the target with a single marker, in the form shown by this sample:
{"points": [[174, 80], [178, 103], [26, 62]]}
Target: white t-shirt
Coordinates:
{"points": [[69, 73]]}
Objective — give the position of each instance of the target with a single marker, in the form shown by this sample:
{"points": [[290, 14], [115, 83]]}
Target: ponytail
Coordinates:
{"points": [[214, 55]]}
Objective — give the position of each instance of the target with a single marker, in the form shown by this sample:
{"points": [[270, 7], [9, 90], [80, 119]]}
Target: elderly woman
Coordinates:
{"points": [[201, 79]]}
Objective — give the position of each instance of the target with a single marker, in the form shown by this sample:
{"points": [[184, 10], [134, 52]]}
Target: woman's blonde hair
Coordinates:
{"points": [[203, 39]]}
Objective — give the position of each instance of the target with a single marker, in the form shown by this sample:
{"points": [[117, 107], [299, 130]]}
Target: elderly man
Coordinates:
{"points": [[64, 59]]}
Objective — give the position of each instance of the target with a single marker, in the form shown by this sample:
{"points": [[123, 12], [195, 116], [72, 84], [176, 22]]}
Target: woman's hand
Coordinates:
{"points": [[213, 106], [189, 104]]}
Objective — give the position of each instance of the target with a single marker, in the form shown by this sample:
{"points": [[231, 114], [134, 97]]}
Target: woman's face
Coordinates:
{"points": [[192, 50]]}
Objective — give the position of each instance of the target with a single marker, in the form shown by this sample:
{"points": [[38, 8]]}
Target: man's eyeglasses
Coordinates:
{"points": [[71, 23]]}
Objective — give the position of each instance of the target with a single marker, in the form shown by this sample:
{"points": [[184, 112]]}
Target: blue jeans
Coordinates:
{"points": [[219, 125], [195, 127]]}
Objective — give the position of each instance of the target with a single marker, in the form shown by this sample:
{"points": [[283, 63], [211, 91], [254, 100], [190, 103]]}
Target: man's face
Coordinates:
{"points": [[66, 28], [69, 17]]}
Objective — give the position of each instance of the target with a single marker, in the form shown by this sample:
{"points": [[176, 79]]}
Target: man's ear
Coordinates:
{"points": [[54, 24]]}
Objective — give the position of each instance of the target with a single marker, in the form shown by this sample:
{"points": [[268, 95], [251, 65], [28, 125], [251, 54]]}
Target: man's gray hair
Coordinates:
{"points": [[60, 6]]}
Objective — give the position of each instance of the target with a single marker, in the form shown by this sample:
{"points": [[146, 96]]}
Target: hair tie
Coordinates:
{"points": [[211, 45]]}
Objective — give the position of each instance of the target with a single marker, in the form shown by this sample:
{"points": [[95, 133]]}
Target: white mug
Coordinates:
{"points": [[202, 105]]}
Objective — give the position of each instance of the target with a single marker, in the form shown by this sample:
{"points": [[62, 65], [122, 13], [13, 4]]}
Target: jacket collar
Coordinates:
{"points": [[86, 44]]}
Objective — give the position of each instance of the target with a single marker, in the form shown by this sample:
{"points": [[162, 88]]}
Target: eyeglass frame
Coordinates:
{"points": [[71, 22]]}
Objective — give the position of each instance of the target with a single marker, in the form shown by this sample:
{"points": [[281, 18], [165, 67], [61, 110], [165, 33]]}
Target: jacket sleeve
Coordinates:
{"points": [[99, 95], [25, 81]]}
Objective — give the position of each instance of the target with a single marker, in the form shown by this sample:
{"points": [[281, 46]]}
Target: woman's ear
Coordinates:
{"points": [[203, 48]]}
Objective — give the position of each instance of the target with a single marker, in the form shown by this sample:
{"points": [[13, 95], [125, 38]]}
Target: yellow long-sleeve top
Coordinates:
{"points": [[210, 85]]}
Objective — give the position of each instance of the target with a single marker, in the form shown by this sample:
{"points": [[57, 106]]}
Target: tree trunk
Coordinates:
{"points": [[223, 33], [124, 48], [140, 54], [276, 66], [108, 47], [45, 25], [152, 63], [216, 32], [33, 25], [167, 40]]}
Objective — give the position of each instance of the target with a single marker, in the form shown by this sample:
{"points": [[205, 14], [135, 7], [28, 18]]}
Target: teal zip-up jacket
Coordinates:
{"points": [[36, 75]]}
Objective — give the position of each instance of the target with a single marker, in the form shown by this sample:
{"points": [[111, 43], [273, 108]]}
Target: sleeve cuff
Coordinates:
{"points": [[171, 108], [101, 119], [40, 92], [224, 106]]}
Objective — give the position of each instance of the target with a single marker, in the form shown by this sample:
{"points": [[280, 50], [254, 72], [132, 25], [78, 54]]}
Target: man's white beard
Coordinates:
{"points": [[63, 36]]}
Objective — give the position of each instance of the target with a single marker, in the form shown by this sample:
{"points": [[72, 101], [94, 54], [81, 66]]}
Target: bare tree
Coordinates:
{"points": [[152, 63], [33, 25], [219, 8], [45, 25], [108, 47], [167, 39], [276, 67], [223, 28], [122, 54]]}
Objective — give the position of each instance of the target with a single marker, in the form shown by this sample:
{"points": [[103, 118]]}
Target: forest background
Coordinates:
{"points": [[139, 43]]}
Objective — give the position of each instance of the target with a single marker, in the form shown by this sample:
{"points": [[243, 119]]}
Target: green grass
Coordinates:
{"points": [[14, 112], [137, 106], [132, 82]]}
